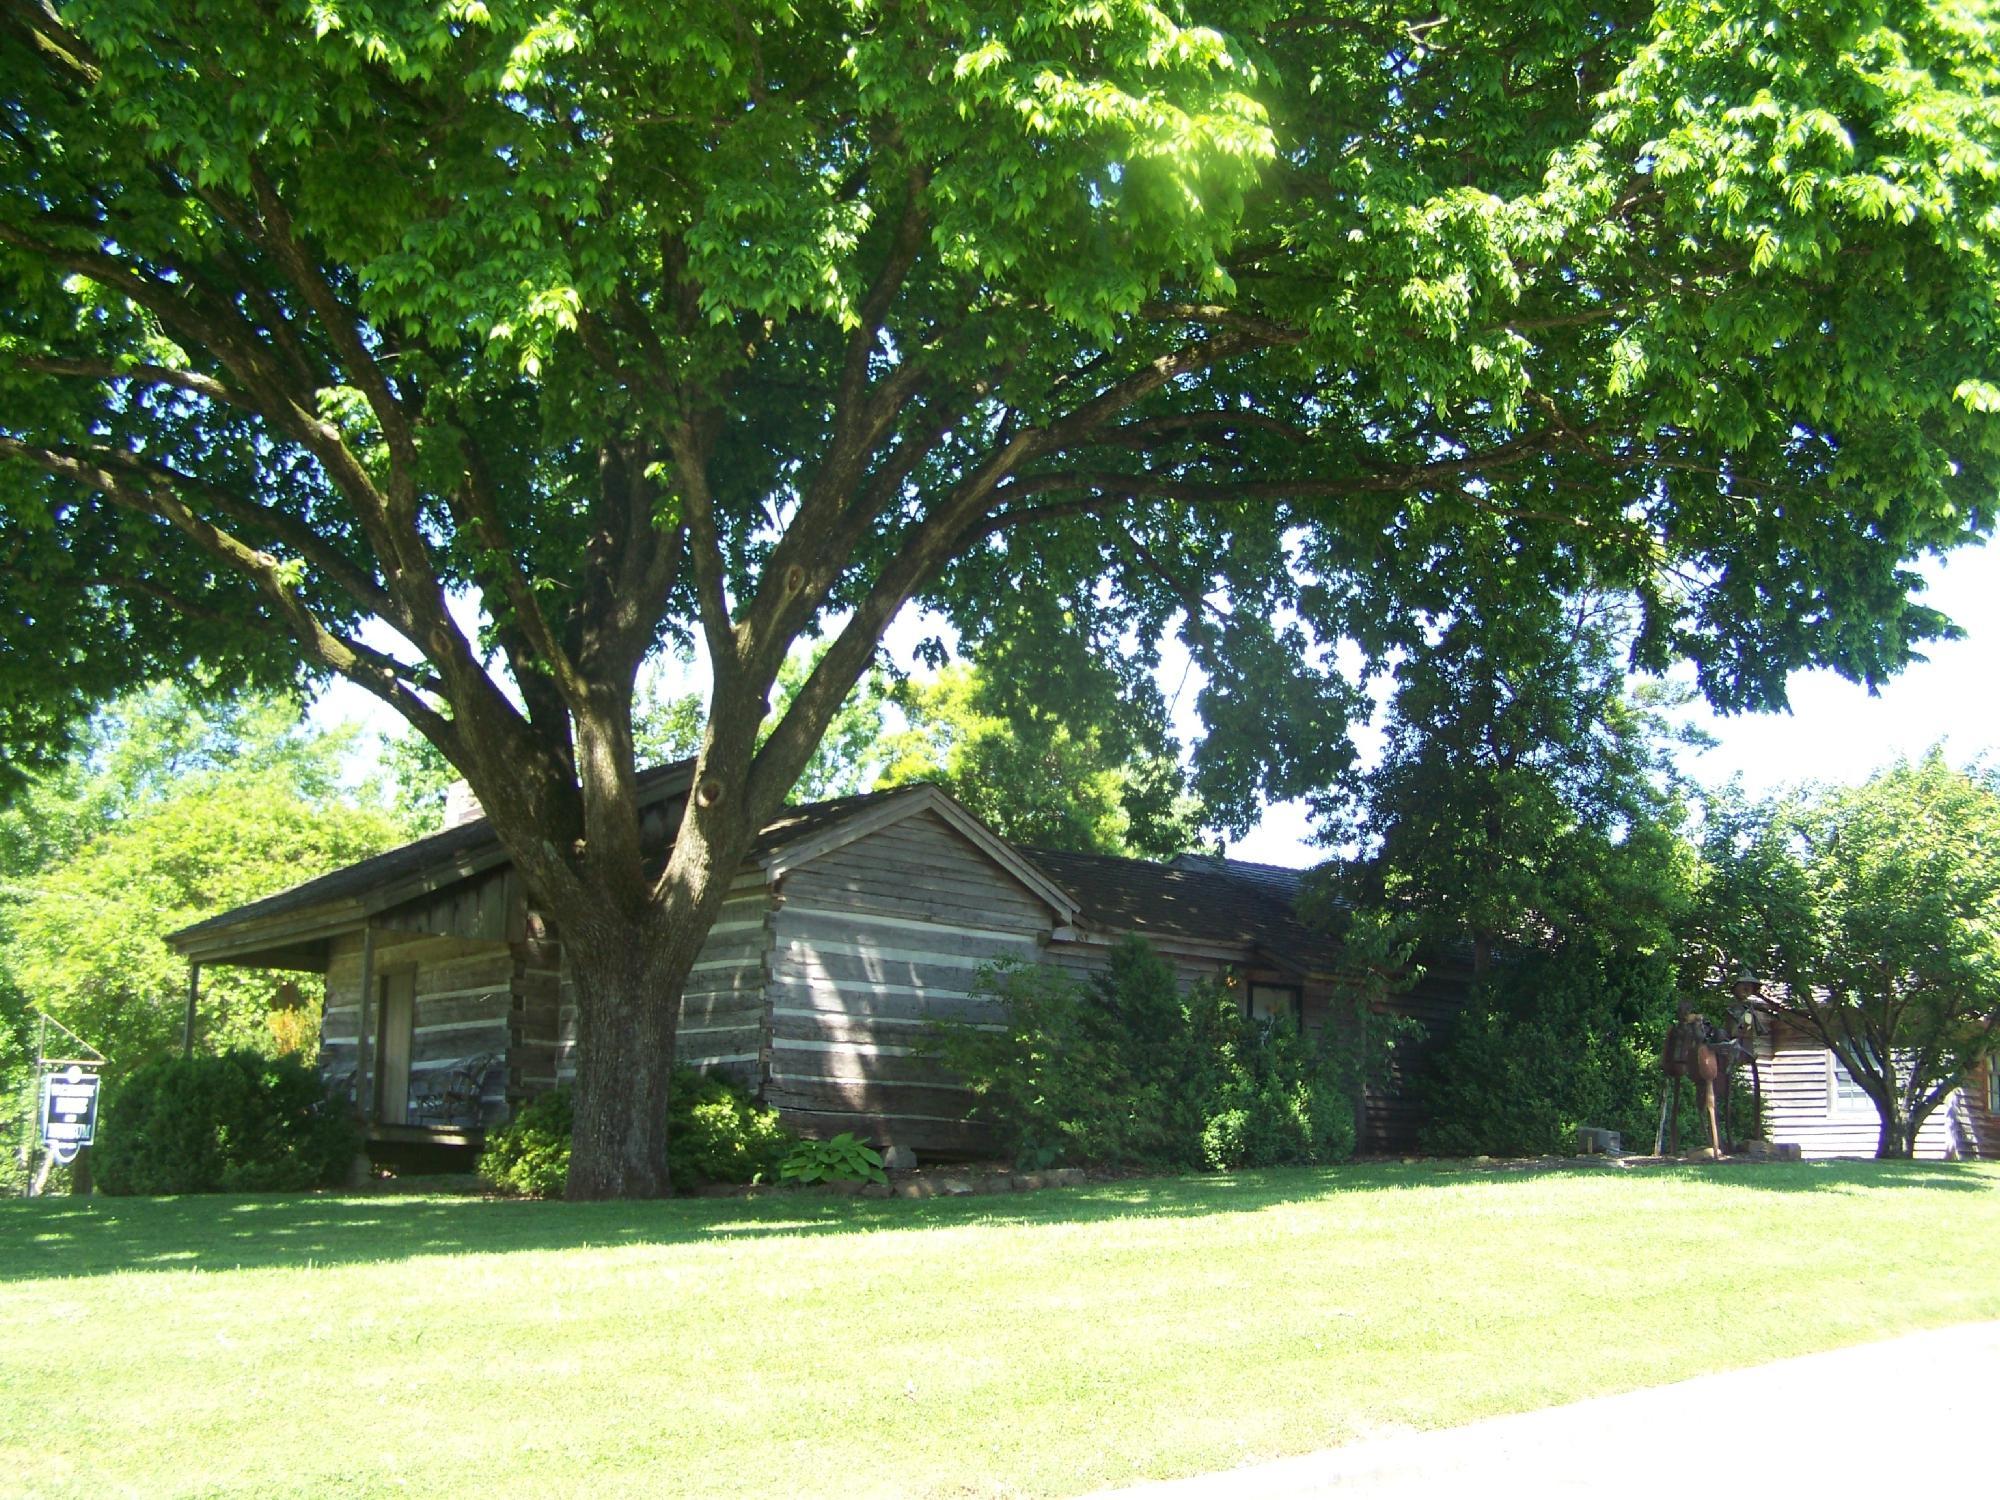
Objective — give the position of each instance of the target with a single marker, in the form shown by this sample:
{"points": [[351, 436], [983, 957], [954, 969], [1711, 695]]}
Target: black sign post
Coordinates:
{"points": [[69, 1112]]}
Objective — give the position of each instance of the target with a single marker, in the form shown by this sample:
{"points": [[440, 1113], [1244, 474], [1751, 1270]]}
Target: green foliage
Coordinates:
{"points": [[325, 331], [528, 1156], [179, 810], [840, 1159], [716, 1133], [1550, 1041], [1526, 817], [1048, 758], [1127, 1070], [1872, 914], [1535, 283], [720, 1134], [234, 1123]]}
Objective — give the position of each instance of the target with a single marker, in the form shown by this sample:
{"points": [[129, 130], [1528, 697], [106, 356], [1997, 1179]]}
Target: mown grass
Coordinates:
{"points": [[1042, 1343]]}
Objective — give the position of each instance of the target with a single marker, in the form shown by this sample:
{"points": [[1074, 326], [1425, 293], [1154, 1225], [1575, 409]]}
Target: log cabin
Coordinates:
{"points": [[852, 923]]}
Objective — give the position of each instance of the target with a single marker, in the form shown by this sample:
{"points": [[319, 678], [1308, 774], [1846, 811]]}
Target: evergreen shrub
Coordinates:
{"points": [[233, 1123]]}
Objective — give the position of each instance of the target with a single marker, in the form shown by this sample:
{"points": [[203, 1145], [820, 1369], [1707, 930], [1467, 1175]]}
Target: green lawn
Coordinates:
{"points": [[1042, 1343]]}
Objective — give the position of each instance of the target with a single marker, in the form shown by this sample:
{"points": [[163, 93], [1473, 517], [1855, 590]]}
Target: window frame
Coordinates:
{"points": [[1838, 1107], [1296, 992]]}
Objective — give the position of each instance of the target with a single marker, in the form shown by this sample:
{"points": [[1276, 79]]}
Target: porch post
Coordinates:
{"points": [[194, 994], [364, 1072]]}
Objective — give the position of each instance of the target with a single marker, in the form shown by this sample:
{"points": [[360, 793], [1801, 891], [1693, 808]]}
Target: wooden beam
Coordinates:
{"points": [[364, 1082], [194, 994]]}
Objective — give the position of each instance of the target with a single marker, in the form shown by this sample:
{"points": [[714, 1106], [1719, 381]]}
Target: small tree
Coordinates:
{"points": [[1875, 912]]}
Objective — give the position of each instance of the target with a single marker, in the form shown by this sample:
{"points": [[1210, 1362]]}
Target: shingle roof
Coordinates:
{"points": [[1202, 898], [1197, 896], [437, 853]]}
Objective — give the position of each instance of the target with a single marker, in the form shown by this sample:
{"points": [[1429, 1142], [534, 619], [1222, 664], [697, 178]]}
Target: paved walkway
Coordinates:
{"points": [[1907, 1416]]}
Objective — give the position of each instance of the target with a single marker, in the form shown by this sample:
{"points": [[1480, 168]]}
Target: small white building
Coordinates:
{"points": [[1811, 1102]]}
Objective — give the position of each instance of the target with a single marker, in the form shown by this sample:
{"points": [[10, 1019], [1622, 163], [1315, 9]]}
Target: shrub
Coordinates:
{"points": [[719, 1133], [1553, 1040], [238, 1122], [715, 1133], [1129, 1070], [529, 1155]]}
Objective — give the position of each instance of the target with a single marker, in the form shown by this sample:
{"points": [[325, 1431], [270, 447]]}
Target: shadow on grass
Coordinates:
{"points": [[56, 1237]]}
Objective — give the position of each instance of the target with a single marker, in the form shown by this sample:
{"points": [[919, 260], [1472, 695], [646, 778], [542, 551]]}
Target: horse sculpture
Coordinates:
{"points": [[1699, 1049]]}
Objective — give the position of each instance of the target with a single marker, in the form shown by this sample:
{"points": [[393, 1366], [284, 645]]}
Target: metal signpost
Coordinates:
{"points": [[66, 1106]]}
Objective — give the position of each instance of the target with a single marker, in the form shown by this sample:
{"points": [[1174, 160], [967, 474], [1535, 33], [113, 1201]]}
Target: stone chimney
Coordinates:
{"points": [[460, 806]]}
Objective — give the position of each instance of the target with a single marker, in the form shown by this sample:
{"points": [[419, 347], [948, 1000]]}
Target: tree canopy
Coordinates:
{"points": [[177, 811], [1872, 916], [319, 318]]}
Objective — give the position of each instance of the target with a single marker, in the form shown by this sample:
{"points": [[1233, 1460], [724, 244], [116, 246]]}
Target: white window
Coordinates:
{"points": [[1273, 1002], [1845, 1097], [1993, 1085]]}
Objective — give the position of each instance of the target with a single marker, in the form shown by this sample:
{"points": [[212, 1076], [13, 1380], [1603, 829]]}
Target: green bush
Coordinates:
{"points": [[1129, 1070], [715, 1133], [529, 1155], [238, 1122], [1557, 1039], [718, 1133]]}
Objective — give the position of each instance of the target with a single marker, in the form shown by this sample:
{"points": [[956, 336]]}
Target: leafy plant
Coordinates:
{"points": [[720, 1134], [1129, 1069], [716, 1132], [240, 1122], [529, 1155], [844, 1158]]}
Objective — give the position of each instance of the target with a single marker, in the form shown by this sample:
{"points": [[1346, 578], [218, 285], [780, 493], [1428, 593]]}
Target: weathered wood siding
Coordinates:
{"points": [[1978, 1127], [534, 1019], [463, 1004], [723, 1013], [340, 1018], [870, 942], [464, 998], [1391, 1116], [485, 908], [1800, 1107]]}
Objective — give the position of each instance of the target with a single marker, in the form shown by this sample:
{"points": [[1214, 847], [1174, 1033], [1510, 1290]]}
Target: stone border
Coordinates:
{"points": [[963, 1181]]}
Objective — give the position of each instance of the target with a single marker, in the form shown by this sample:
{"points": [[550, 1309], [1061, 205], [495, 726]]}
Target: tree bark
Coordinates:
{"points": [[629, 978], [629, 955], [1898, 1138]]}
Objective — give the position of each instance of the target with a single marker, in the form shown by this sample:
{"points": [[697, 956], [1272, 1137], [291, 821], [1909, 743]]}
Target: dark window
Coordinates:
{"points": [[1272, 1002]]}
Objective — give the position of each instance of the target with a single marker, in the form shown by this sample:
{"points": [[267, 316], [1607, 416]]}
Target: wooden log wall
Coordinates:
{"points": [[340, 1017], [534, 1018], [1391, 1116], [464, 1000], [872, 941], [723, 1013], [463, 1004], [1976, 1126]]}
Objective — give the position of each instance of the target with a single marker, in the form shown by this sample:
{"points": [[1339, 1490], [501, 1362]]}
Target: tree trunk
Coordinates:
{"points": [[1898, 1140], [629, 978], [629, 960]]}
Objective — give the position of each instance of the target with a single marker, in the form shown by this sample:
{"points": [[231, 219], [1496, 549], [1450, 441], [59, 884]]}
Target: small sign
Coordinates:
{"points": [[69, 1112]]}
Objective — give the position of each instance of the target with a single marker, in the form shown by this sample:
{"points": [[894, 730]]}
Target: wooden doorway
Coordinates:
{"points": [[392, 1078]]}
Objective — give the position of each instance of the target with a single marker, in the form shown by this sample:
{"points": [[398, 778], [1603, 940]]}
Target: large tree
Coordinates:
{"points": [[749, 321], [1873, 915]]}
